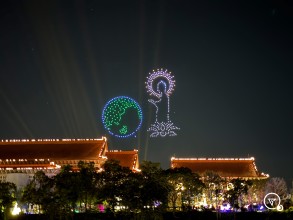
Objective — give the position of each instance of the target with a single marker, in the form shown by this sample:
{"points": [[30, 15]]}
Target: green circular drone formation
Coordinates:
{"points": [[122, 116]]}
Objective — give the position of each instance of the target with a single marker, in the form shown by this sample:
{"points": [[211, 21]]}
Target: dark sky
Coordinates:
{"points": [[61, 61]]}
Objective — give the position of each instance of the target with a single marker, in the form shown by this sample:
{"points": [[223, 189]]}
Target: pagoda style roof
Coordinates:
{"points": [[225, 167], [126, 158], [53, 149]]}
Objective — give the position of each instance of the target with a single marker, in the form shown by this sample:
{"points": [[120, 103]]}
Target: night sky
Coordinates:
{"points": [[61, 61]]}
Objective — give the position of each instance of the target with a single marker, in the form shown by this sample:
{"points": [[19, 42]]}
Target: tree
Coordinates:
{"points": [[143, 190], [238, 188], [112, 181], [256, 191], [40, 192], [7, 197], [192, 186], [131, 191], [66, 189], [184, 185], [155, 186], [277, 185], [87, 184], [213, 186]]}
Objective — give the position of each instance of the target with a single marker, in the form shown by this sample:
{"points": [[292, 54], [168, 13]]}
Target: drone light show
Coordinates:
{"points": [[160, 85], [122, 117]]}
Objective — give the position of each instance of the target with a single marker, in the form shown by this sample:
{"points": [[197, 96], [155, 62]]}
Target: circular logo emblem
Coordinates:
{"points": [[272, 201], [122, 117]]}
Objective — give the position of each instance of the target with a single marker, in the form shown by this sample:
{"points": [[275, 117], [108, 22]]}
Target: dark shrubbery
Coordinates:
{"points": [[207, 215]]}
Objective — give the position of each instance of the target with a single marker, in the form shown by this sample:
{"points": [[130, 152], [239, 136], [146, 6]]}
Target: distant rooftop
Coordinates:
{"points": [[126, 158], [53, 149], [225, 167]]}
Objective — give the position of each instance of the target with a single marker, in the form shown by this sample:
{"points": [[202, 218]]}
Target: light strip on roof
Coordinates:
{"points": [[202, 158], [51, 140]]}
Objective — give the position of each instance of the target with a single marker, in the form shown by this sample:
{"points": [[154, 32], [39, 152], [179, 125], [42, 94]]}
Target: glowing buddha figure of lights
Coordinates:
{"points": [[160, 85]]}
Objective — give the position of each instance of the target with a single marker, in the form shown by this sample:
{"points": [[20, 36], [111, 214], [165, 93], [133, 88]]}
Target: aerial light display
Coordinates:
{"points": [[122, 117], [160, 85]]}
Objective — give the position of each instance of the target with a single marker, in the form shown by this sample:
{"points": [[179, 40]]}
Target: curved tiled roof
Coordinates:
{"points": [[53, 149], [225, 167], [126, 158]]}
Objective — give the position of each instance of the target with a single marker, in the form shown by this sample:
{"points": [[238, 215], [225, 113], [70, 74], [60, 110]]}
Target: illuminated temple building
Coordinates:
{"points": [[20, 159], [230, 168], [127, 158]]}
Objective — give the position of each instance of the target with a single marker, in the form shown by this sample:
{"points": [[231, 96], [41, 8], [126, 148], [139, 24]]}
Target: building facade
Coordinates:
{"points": [[229, 168], [218, 174], [21, 159]]}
